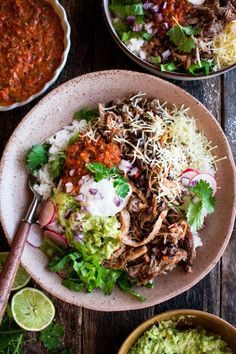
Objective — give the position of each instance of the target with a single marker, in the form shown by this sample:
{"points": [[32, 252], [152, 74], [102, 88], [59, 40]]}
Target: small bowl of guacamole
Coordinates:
{"points": [[182, 332]]}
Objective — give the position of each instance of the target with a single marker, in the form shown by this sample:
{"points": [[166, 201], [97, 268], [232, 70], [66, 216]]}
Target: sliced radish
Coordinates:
{"points": [[187, 175], [207, 177], [56, 237], [48, 213], [35, 236]]}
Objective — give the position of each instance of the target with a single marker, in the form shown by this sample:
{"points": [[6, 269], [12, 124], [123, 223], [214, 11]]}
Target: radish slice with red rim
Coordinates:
{"points": [[207, 177], [48, 213], [35, 236], [187, 175], [56, 237]]}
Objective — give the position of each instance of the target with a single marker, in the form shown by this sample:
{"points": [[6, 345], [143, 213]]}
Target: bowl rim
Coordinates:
{"points": [[136, 305], [61, 13], [145, 325], [149, 66]]}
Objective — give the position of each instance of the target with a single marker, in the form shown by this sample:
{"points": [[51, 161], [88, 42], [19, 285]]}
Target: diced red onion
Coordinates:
{"points": [[72, 172], [118, 201], [69, 187], [158, 17], [164, 6], [148, 26], [81, 228], [83, 179], [77, 216], [165, 55], [147, 5], [154, 31], [80, 197], [93, 191], [130, 20], [84, 209], [79, 237], [155, 8], [137, 27]]}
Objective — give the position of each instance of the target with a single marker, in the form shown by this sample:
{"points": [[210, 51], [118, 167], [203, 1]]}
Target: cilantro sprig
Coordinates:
{"points": [[196, 212], [182, 36], [100, 172], [37, 156], [86, 113]]}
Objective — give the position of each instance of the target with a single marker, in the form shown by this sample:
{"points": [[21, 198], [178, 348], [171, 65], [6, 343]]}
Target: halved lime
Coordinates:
{"points": [[22, 278], [32, 310]]}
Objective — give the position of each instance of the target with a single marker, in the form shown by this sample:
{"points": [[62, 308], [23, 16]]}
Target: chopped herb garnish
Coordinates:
{"points": [[100, 172], [182, 37], [51, 336], [197, 211], [74, 138], [37, 156], [127, 10], [87, 114]]}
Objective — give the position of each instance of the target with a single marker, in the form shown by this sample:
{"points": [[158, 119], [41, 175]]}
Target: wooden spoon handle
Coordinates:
{"points": [[11, 265]]}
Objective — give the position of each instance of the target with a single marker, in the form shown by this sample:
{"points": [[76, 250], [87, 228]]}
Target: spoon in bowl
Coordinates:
{"points": [[8, 273]]}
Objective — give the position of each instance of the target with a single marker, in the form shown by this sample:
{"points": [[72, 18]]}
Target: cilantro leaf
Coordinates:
{"points": [[36, 157], [196, 212], [56, 166], [181, 37], [51, 336], [205, 193], [87, 114], [195, 215], [127, 10], [126, 36], [101, 171]]}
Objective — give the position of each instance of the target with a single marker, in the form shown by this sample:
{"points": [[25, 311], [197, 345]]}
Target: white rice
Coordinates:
{"points": [[58, 143]]}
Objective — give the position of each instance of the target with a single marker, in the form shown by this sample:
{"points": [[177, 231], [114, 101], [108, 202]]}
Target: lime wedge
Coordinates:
{"points": [[32, 310], [22, 278]]}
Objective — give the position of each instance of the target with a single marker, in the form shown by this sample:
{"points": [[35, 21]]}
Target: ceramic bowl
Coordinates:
{"points": [[193, 318], [55, 111], [60, 11], [148, 66]]}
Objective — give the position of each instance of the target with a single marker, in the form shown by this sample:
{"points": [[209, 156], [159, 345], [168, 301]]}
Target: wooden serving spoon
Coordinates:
{"points": [[8, 273]]}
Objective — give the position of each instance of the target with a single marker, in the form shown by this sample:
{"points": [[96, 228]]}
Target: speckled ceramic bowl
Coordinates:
{"points": [[60, 11], [55, 111], [193, 318], [148, 66]]}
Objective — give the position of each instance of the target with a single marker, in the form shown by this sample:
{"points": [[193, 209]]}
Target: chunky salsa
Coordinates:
{"points": [[84, 151], [31, 42]]}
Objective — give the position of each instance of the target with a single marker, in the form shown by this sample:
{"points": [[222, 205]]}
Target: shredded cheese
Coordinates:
{"points": [[224, 46]]}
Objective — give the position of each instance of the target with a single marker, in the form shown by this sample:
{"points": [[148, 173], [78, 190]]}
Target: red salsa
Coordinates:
{"points": [[31, 42], [84, 151]]}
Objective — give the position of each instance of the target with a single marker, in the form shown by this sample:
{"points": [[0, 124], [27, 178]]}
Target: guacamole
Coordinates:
{"points": [[166, 338]]}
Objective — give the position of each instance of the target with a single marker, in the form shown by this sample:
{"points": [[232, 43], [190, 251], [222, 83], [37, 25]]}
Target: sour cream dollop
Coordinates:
{"points": [[100, 198]]}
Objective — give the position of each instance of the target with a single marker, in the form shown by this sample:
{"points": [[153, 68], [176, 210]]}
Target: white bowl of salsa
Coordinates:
{"points": [[35, 37]]}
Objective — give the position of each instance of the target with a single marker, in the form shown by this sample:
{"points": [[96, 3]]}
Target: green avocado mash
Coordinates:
{"points": [[98, 235], [166, 338]]}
